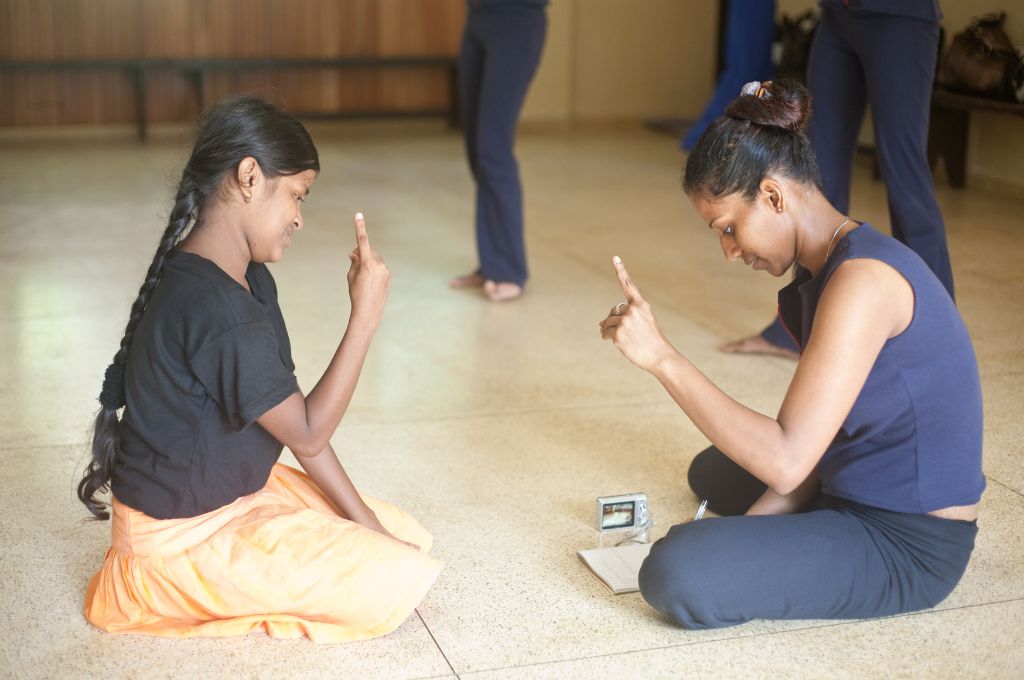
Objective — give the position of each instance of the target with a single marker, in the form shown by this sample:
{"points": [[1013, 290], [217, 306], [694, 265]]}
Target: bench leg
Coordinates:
{"points": [[195, 79], [139, 78], [453, 97], [947, 139]]}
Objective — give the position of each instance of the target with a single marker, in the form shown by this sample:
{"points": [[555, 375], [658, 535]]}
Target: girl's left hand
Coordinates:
{"points": [[632, 327], [371, 522]]}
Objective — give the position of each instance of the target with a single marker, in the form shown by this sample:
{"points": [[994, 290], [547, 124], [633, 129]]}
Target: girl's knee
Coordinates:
{"points": [[675, 579]]}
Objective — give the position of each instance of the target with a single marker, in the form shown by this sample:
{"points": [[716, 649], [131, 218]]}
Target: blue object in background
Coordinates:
{"points": [[749, 34]]}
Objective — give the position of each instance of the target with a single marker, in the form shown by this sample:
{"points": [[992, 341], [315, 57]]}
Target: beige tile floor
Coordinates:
{"points": [[495, 425]]}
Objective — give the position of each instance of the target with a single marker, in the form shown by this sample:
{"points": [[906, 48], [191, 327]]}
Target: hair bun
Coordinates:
{"points": [[780, 103]]}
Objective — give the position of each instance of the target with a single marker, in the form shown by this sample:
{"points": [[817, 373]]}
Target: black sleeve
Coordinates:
{"points": [[243, 372]]}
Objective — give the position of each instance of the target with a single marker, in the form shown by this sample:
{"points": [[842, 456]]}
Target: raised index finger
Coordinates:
{"points": [[362, 240], [629, 288]]}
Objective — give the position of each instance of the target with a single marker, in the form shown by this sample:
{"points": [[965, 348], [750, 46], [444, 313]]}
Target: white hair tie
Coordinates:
{"points": [[757, 88]]}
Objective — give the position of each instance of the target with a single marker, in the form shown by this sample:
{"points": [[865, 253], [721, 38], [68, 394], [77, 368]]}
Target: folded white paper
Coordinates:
{"points": [[618, 567]]}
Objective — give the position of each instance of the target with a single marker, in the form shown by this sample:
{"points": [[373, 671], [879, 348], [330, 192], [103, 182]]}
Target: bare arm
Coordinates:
{"points": [[865, 303], [326, 471], [771, 503], [305, 425]]}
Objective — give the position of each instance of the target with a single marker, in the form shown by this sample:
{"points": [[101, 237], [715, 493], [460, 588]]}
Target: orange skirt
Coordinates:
{"points": [[280, 560]]}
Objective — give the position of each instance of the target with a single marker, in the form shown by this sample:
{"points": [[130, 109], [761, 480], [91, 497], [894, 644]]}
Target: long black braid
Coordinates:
{"points": [[106, 440], [229, 132]]}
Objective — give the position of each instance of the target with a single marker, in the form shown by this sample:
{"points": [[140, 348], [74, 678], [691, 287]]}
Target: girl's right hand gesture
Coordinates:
{"points": [[368, 278]]}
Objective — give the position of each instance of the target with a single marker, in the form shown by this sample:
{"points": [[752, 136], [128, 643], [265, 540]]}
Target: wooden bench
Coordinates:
{"points": [[195, 71], [950, 124]]}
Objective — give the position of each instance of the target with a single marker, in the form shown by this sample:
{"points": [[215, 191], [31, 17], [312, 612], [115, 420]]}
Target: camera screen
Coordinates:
{"points": [[617, 515]]}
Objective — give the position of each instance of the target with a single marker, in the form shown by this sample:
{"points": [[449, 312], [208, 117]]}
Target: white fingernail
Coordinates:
{"points": [[616, 260], [359, 216]]}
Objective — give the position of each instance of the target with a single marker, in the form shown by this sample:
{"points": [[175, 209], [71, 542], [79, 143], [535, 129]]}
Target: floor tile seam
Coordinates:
{"points": [[833, 624], [1004, 485], [436, 644], [513, 412], [402, 421], [994, 375], [56, 316], [999, 373], [38, 447], [661, 301]]}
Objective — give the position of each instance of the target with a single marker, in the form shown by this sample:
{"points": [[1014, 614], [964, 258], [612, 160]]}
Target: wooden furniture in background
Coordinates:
{"points": [[949, 127], [142, 61]]}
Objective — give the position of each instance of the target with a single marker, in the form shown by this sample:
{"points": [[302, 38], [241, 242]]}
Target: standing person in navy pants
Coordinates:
{"points": [[884, 53], [749, 33], [501, 48]]}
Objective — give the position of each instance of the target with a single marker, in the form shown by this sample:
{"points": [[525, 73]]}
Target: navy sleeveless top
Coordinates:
{"points": [[912, 441]]}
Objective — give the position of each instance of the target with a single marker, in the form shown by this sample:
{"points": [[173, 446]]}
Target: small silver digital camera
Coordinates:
{"points": [[628, 511]]}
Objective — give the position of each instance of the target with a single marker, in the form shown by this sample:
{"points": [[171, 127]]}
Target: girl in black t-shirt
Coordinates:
{"points": [[211, 536]]}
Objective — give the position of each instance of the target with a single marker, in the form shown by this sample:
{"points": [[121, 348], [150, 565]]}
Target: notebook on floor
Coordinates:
{"points": [[618, 567]]}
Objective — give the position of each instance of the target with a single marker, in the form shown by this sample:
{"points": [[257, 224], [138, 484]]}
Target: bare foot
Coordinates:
{"points": [[756, 344], [472, 280], [501, 291]]}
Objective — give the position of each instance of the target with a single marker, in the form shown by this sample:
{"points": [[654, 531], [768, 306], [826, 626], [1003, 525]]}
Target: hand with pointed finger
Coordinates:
{"points": [[368, 278], [632, 326]]}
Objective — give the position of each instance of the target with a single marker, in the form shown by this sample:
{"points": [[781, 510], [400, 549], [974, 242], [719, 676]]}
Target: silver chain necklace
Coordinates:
{"points": [[832, 242]]}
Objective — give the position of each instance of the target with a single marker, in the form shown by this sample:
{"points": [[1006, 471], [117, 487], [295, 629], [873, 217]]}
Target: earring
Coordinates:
{"points": [[779, 209]]}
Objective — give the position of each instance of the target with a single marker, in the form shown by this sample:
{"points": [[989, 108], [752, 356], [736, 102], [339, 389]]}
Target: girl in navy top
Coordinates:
{"points": [[860, 498]]}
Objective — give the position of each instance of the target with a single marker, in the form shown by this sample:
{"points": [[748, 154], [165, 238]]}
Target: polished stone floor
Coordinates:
{"points": [[495, 425]]}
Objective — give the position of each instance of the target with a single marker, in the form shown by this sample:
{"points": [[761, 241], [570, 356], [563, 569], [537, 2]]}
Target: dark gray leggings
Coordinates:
{"points": [[835, 560]]}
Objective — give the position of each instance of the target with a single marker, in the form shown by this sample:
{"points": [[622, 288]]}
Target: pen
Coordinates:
{"points": [[701, 509]]}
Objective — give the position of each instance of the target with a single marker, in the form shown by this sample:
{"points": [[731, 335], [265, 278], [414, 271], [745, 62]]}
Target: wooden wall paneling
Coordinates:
{"points": [[330, 90], [96, 97], [167, 27], [33, 98], [357, 89], [7, 102], [218, 84], [288, 29], [40, 99], [170, 97], [272, 85], [250, 32], [409, 89], [8, 34], [68, 30], [29, 33], [296, 90], [66, 97], [156, 29], [96, 29], [420, 27], [349, 29]]}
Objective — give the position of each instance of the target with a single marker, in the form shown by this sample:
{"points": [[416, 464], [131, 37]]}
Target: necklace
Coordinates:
{"points": [[830, 243]]}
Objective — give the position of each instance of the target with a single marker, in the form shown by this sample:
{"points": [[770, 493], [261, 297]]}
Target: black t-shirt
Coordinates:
{"points": [[207, 359]]}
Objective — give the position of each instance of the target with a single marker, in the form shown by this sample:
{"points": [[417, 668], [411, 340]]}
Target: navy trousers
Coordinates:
{"points": [[859, 57], [835, 560], [749, 33], [500, 52]]}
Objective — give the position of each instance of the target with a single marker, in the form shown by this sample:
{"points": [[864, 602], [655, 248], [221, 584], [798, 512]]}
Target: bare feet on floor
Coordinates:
{"points": [[756, 344], [501, 291], [472, 280]]}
